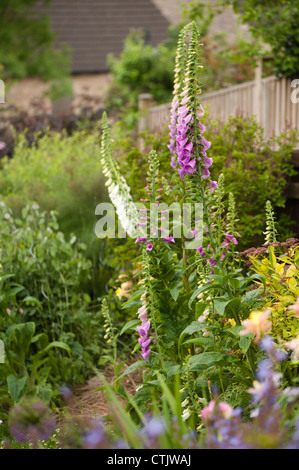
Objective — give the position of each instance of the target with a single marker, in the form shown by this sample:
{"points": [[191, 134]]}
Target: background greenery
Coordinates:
{"points": [[27, 46]]}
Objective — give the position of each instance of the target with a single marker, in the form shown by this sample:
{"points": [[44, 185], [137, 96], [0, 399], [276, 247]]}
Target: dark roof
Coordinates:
{"points": [[95, 28]]}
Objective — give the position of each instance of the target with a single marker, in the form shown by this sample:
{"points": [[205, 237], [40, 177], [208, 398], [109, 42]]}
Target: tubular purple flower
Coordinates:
{"points": [[140, 239], [168, 239], [212, 185], [143, 331], [229, 239], [201, 251]]}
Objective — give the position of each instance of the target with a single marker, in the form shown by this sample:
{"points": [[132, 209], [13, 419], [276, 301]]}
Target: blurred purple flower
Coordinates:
{"points": [[31, 421]]}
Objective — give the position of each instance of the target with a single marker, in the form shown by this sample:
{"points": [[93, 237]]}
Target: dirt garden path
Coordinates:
{"points": [[86, 401]]}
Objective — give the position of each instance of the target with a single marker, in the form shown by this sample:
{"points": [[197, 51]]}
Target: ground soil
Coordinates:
{"points": [[88, 402]]}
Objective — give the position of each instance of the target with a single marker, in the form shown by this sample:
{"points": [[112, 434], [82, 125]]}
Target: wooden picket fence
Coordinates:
{"points": [[268, 99]]}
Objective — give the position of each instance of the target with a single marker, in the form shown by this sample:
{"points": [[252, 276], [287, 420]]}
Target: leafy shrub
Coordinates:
{"points": [[141, 68], [278, 266], [254, 170], [40, 121], [59, 173], [276, 25], [47, 309]]}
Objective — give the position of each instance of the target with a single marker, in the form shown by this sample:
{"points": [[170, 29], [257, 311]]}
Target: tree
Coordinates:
{"points": [[276, 23], [27, 43]]}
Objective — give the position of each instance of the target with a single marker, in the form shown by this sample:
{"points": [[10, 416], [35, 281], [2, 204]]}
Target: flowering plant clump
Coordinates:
{"points": [[201, 314], [118, 189], [188, 145], [214, 341], [222, 426]]}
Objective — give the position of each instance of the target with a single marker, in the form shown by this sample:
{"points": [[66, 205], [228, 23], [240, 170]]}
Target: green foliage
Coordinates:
{"points": [[49, 325], [141, 68], [58, 173], [27, 44], [200, 309], [255, 171], [226, 61], [281, 278], [275, 23]]}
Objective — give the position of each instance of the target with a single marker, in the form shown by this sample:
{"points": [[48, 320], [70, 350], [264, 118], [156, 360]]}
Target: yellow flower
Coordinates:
{"points": [[257, 323], [124, 290]]}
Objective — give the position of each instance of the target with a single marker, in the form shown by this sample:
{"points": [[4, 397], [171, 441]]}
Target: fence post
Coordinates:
{"points": [[258, 92], [145, 102]]}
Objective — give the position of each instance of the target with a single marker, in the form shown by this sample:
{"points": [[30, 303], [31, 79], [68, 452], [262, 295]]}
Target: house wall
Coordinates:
{"points": [[96, 28], [225, 22]]}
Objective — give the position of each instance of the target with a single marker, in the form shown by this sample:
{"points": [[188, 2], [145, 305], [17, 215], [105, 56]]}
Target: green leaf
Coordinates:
{"points": [[233, 308], [29, 300], [22, 334], [134, 299], [14, 290], [202, 289], [129, 325], [175, 291], [245, 342], [194, 327], [118, 368], [54, 344], [45, 392], [200, 308], [131, 303], [205, 359], [131, 369], [57, 344], [42, 338], [220, 305], [234, 330], [16, 386]]}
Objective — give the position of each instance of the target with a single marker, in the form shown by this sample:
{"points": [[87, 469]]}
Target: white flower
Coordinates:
{"points": [[185, 402], [186, 414], [202, 318]]}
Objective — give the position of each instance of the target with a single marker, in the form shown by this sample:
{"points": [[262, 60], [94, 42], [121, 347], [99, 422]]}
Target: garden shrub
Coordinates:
{"points": [[141, 68], [59, 173], [255, 171], [278, 265], [200, 313], [274, 24], [48, 305], [39, 121]]}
